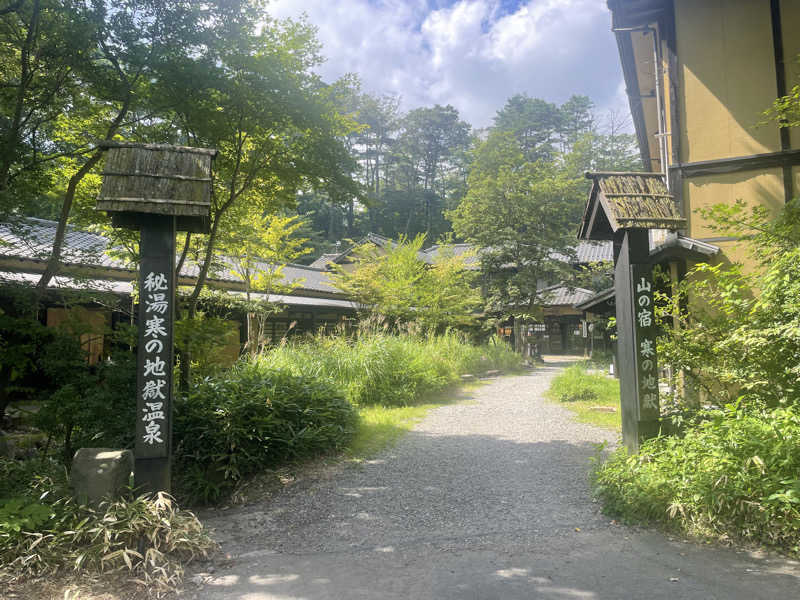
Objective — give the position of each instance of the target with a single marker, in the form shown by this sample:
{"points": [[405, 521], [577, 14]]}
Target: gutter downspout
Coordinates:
{"points": [[658, 73]]}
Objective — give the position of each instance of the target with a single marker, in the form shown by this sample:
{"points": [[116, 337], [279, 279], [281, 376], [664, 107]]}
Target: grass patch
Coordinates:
{"points": [[591, 396], [391, 370], [381, 426]]}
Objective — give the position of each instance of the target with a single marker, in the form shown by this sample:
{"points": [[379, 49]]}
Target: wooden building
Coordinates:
{"points": [[96, 287], [699, 75]]}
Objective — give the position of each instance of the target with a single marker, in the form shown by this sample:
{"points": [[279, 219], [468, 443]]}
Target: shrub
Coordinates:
{"points": [[16, 476], [149, 538], [733, 475], [89, 406], [251, 417]]}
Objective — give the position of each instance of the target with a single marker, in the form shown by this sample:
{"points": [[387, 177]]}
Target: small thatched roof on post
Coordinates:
{"points": [[628, 201], [157, 179]]}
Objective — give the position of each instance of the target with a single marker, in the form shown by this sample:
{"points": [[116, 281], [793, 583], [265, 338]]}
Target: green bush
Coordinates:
{"points": [[148, 538], [575, 384], [391, 370], [90, 406], [16, 476], [734, 475], [251, 417]]}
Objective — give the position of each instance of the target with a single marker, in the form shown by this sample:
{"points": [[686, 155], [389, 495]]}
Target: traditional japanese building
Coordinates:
{"points": [[96, 286], [699, 75]]}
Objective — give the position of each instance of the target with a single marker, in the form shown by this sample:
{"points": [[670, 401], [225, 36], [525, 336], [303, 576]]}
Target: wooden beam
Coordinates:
{"points": [[753, 162]]}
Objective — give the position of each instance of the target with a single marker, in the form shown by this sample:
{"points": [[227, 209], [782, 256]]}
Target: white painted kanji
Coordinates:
{"points": [[154, 367], [154, 328], [156, 303], [155, 282], [152, 389]]}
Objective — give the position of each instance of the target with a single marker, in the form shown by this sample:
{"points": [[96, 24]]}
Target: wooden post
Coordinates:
{"points": [[637, 364], [153, 447]]}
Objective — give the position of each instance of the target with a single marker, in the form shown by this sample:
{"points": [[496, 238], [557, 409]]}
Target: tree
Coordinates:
{"points": [[395, 283], [259, 248], [77, 72], [273, 121], [520, 213], [576, 120], [534, 123]]}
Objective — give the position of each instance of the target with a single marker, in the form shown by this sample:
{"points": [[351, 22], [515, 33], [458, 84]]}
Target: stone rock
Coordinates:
{"points": [[7, 447], [100, 473]]}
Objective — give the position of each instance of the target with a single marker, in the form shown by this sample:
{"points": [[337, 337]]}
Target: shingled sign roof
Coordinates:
{"points": [[628, 201]]}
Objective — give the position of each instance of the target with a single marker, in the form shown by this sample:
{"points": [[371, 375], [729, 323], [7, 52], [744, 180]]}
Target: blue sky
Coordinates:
{"points": [[473, 54]]}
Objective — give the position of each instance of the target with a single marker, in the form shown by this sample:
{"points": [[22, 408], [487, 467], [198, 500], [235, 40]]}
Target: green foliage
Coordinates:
{"points": [[575, 384], [88, 406], [199, 338], [594, 397], [17, 477], [394, 283], [147, 539], [733, 343], [733, 473], [18, 515], [518, 212], [392, 370], [732, 476], [254, 416], [22, 340]]}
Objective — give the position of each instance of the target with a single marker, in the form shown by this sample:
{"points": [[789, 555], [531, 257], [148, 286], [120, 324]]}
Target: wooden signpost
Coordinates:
{"points": [[636, 336], [623, 207], [159, 190]]}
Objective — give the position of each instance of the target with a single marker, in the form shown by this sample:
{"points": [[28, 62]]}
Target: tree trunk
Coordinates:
{"points": [[54, 262]]}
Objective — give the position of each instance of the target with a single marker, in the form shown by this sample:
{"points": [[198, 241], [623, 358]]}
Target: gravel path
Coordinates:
{"points": [[484, 499]]}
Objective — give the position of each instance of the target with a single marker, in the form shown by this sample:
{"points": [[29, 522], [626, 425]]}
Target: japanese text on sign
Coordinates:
{"points": [[154, 377], [645, 344]]}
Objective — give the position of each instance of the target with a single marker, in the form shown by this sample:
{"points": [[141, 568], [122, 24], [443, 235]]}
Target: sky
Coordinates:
{"points": [[473, 54]]}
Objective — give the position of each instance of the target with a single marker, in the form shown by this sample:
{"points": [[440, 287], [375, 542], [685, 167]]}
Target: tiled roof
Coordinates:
{"points": [[587, 252], [126, 287], [561, 295], [32, 239], [429, 255], [324, 260]]}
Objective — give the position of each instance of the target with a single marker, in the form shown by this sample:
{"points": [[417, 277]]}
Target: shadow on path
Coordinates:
{"points": [[484, 500]]}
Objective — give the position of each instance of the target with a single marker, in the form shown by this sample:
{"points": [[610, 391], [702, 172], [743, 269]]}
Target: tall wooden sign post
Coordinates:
{"points": [[158, 190], [623, 207], [636, 336]]}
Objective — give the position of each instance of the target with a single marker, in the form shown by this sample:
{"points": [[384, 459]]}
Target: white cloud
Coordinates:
{"points": [[473, 54]]}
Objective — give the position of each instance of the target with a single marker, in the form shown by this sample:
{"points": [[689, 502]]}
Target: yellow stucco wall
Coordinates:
{"points": [[727, 76], [753, 187]]}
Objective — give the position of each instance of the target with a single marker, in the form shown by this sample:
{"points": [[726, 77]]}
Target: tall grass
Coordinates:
{"points": [[390, 370], [594, 397]]}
